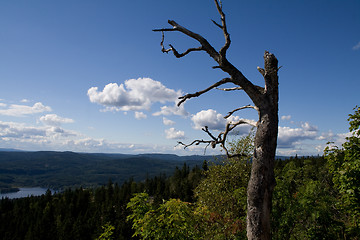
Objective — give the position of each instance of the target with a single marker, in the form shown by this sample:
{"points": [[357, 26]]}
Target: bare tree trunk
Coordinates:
{"points": [[262, 179], [265, 99]]}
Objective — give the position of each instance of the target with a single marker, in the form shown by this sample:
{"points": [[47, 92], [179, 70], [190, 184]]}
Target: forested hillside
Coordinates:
{"points": [[60, 170]]}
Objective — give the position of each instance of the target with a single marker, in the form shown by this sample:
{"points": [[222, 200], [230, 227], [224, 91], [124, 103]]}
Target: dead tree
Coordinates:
{"points": [[265, 100]]}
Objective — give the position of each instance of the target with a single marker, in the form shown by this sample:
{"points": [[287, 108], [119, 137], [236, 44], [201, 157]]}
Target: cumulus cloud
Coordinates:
{"points": [[209, 118], [356, 47], [171, 133], [216, 121], [140, 115], [22, 110], [286, 118], [133, 94], [54, 120], [168, 121], [287, 136]]}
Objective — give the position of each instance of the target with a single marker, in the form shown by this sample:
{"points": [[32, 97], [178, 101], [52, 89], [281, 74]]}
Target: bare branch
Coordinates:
{"points": [[241, 108], [260, 89], [176, 53], [254, 92], [221, 27], [205, 45], [230, 89], [206, 129], [162, 44], [197, 94], [221, 139], [215, 67], [229, 127], [196, 142], [179, 55], [243, 121], [224, 28], [164, 30]]}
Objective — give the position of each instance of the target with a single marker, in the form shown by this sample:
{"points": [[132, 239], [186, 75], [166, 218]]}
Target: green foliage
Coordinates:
{"points": [[304, 202], [222, 193], [108, 232], [173, 219], [220, 207], [344, 164]]}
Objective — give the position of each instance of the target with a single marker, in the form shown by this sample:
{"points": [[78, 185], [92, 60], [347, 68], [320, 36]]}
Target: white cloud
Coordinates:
{"points": [[287, 136], [307, 127], [209, 118], [286, 118], [328, 136], [22, 110], [140, 115], [19, 131], [172, 110], [357, 46], [216, 121], [3, 105], [168, 122], [133, 94], [24, 100], [171, 133], [54, 120]]}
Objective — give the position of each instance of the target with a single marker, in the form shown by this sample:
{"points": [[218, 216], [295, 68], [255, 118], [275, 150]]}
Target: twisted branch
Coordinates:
{"points": [[197, 94], [241, 108], [221, 138], [226, 46]]}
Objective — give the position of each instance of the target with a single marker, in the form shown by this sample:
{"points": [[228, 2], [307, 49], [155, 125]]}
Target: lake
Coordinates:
{"points": [[24, 192]]}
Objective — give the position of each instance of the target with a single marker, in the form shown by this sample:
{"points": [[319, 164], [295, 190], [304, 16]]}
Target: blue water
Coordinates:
{"points": [[24, 192]]}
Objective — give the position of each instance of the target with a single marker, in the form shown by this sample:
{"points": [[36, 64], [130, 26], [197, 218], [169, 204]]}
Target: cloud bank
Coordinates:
{"points": [[15, 110], [287, 136]]}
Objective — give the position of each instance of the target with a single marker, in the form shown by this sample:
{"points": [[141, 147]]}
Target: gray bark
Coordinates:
{"points": [[262, 179]]}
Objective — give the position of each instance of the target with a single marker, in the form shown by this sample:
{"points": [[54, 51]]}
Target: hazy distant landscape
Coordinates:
{"points": [[60, 170]]}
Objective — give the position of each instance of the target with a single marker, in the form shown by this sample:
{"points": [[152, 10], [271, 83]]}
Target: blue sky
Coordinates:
{"points": [[89, 76]]}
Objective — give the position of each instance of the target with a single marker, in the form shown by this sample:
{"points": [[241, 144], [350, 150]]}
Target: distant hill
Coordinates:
{"points": [[59, 170], [9, 150]]}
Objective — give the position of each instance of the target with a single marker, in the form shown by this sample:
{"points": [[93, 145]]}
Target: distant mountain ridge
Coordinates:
{"points": [[10, 150]]}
